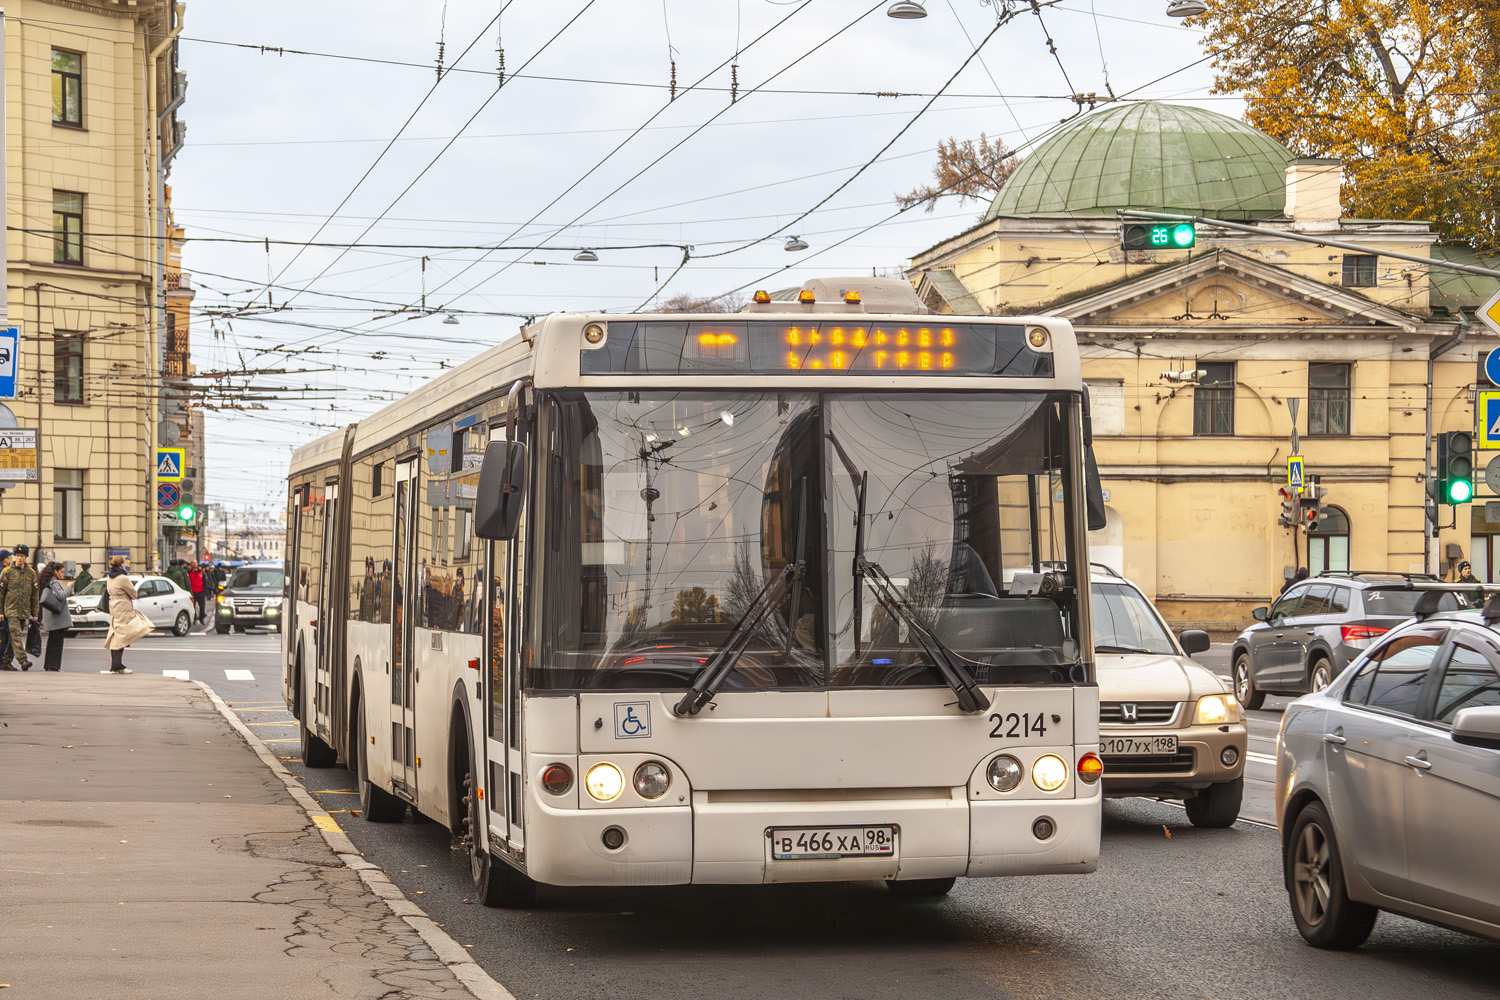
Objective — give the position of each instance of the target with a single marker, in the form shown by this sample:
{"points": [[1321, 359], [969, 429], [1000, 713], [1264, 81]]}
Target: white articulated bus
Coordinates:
{"points": [[791, 594]]}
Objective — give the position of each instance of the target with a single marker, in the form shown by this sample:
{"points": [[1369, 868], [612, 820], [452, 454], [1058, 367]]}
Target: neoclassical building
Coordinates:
{"points": [[1365, 347]]}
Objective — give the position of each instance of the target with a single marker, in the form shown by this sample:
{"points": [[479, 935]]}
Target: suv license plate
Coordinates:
{"points": [[803, 842], [1113, 745]]}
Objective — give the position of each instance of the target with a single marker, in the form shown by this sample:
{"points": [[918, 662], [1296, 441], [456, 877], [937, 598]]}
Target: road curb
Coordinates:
{"points": [[452, 954]]}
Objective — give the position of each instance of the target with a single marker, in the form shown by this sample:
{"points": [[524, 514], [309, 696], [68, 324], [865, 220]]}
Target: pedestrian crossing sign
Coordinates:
{"points": [[1294, 472], [169, 462], [1488, 412]]}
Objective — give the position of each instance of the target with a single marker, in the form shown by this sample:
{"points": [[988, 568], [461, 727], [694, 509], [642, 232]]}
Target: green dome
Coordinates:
{"points": [[1163, 157]]}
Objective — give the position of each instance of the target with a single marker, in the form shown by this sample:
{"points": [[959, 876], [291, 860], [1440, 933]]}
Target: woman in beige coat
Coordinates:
{"points": [[126, 624]]}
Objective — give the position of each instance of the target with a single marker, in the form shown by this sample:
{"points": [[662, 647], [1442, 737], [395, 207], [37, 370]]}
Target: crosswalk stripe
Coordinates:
{"points": [[238, 675], [1264, 758], [181, 675]]}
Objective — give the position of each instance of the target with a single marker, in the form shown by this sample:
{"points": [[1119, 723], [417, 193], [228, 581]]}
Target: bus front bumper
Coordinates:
{"points": [[725, 838]]}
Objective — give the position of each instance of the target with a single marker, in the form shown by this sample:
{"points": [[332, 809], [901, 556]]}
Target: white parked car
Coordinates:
{"points": [[166, 604]]}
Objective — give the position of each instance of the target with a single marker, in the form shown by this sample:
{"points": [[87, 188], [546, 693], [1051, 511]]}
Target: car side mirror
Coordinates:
{"points": [[1194, 640], [1478, 727], [1261, 614], [502, 490]]}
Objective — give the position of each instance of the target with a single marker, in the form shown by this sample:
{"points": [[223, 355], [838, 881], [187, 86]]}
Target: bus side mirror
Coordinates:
{"points": [[1093, 489], [502, 490]]}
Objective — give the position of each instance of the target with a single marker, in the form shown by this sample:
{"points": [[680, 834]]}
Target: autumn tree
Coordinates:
{"points": [[1401, 90], [969, 170], [695, 605]]}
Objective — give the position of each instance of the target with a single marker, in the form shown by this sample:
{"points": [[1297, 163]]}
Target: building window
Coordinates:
{"points": [[67, 505], [67, 227], [67, 88], [67, 367], [1484, 542], [1327, 398], [1328, 542], [1359, 270], [1213, 398]]}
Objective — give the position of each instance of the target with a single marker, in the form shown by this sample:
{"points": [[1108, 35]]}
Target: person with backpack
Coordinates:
{"points": [[199, 589], [18, 601]]}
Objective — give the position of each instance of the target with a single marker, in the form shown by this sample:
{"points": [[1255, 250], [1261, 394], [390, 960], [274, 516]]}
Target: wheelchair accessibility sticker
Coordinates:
{"points": [[632, 720]]}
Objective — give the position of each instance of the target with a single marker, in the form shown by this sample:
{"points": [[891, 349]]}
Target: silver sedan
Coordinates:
{"points": [[1388, 786]]}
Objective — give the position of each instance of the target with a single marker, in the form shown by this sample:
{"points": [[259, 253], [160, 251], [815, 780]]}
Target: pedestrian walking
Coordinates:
{"points": [[55, 617], [1297, 578], [198, 587], [126, 624], [83, 579], [18, 602], [177, 574]]}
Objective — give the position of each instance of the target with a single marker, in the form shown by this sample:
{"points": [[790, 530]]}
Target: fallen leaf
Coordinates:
{"points": [[68, 747], [570, 949], [124, 842], [421, 892], [265, 928], [229, 796], [1167, 831]]}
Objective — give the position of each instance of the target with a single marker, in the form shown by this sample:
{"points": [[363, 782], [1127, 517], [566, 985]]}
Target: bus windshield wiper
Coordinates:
{"points": [[970, 698], [723, 661]]}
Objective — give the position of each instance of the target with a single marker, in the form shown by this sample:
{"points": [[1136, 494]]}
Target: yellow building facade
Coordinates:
{"points": [[1196, 357], [91, 88]]}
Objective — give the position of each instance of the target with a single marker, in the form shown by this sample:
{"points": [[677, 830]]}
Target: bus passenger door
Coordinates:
{"points": [[290, 618], [503, 767], [403, 691], [327, 623]]}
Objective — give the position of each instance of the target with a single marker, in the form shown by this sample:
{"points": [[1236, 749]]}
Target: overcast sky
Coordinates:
{"points": [[277, 141]]}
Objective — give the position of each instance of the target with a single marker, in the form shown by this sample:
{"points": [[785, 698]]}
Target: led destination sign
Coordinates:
{"points": [[819, 346]]}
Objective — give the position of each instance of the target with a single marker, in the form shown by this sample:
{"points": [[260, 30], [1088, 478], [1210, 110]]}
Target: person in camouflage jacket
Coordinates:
{"points": [[19, 602]]}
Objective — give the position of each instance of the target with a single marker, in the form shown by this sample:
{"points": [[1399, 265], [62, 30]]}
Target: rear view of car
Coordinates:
{"points": [[251, 598]]}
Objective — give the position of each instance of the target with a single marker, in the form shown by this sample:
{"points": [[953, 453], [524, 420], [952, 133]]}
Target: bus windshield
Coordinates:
{"points": [[668, 519]]}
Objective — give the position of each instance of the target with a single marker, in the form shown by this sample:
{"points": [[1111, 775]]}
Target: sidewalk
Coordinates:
{"points": [[148, 851]]}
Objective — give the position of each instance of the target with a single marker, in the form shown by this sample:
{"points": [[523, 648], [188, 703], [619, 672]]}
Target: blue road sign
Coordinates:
{"points": [[10, 347], [167, 495], [1492, 366], [1489, 420], [169, 462], [1294, 471]]}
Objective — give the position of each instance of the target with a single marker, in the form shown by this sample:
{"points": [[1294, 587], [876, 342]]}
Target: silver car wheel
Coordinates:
{"points": [[1242, 683], [1322, 676], [1310, 875]]}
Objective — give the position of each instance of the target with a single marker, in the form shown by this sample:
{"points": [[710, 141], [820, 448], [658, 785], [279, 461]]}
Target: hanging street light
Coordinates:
{"points": [[906, 10], [450, 320], [1186, 8], [795, 243], [586, 255]]}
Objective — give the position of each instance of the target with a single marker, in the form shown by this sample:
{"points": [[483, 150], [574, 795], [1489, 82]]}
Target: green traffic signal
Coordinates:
{"points": [[1158, 236], [187, 510], [1460, 491], [1183, 235], [1454, 468]]}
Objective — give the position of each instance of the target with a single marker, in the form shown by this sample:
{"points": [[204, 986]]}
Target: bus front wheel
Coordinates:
{"points": [[921, 886], [496, 883]]}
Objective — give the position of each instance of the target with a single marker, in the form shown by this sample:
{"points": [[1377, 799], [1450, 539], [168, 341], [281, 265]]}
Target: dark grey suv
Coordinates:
{"points": [[1300, 643]]}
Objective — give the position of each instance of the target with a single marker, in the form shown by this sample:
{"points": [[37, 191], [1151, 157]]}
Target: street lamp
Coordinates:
{"points": [[586, 255], [1186, 8], [906, 10], [795, 243], [451, 320]]}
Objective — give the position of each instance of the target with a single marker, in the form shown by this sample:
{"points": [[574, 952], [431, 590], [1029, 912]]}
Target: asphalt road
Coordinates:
{"points": [[1172, 912]]}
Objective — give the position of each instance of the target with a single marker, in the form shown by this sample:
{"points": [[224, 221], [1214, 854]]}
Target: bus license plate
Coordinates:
{"points": [[1113, 745], [804, 842]]}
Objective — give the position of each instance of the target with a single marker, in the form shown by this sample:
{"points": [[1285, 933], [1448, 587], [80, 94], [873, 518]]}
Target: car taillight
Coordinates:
{"points": [[1354, 633]]}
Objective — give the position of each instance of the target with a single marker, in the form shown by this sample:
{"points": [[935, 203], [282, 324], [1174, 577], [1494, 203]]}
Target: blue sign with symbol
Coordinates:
{"points": [[169, 463], [632, 720], [1489, 420], [1492, 366], [1294, 472], [166, 495], [10, 347]]}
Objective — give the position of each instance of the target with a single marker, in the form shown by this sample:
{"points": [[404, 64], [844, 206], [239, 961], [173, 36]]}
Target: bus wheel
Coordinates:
{"points": [[316, 753], [375, 803], [495, 882], [921, 886]]}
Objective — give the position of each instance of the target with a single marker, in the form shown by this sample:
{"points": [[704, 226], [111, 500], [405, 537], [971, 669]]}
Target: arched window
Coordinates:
{"points": [[1328, 542]]}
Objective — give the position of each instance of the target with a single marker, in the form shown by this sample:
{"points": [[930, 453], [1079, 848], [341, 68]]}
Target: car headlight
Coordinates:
{"points": [[1218, 709], [1004, 773], [1050, 772], [651, 780], [604, 781]]}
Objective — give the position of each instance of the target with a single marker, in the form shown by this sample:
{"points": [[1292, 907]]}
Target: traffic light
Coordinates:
{"points": [[1158, 236], [1312, 499], [1288, 507], [1454, 472], [187, 510]]}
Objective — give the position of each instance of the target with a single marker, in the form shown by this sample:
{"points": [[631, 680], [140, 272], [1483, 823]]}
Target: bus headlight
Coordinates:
{"points": [[651, 780], [1217, 709], [1050, 772], [604, 781], [1004, 773]]}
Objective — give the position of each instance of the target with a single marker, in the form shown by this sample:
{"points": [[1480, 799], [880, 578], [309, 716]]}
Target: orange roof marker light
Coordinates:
{"points": [[851, 297], [806, 295], [762, 296]]}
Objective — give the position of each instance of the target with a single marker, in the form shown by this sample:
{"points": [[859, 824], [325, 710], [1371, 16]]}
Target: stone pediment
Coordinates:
{"points": [[1225, 290]]}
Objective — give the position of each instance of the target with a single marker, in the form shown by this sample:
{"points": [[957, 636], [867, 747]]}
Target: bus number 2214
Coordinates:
{"points": [[1013, 726]]}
